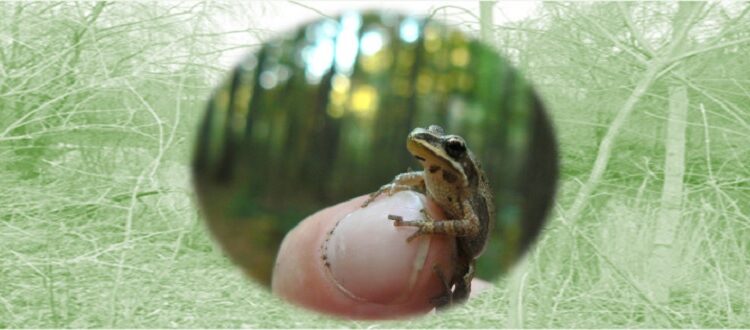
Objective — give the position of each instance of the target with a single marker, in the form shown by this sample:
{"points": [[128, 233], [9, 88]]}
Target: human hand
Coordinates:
{"points": [[353, 262]]}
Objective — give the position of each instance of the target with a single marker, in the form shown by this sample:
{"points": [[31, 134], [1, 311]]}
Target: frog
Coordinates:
{"points": [[453, 178]]}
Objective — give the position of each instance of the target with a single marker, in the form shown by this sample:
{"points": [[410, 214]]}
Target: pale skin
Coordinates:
{"points": [[380, 281]]}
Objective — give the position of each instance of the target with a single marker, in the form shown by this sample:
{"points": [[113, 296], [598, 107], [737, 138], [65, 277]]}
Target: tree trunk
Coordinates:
{"points": [[515, 293], [608, 141], [518, 275], [486, 22], [661, 259], [684, 19]]}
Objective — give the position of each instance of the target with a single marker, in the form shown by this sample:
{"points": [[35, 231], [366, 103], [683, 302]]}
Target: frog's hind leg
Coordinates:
{"points": [[463, 284], [404, 181], [445, 299]]}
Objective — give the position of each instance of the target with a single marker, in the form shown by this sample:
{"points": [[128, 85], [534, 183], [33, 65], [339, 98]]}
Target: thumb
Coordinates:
{"points": [[354, 262]]}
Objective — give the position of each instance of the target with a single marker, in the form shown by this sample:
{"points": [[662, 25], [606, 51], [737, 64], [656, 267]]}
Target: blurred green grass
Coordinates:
{"points": [[98, 227]]}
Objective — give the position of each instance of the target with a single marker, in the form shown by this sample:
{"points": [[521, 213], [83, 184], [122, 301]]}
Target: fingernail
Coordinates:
{"points": [[368, 258]]}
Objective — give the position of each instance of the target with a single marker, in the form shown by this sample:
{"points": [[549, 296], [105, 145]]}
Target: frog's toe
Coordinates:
{"points": [[368, 201], [371, 198], [426, 215], [397, 219], [415, 235], [390, 190], [442, 301], [445, 299]]}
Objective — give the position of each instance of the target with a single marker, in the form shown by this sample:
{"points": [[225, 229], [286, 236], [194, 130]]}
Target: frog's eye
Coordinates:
{"points": [[455, 147], [340, 91], [436, 129]]}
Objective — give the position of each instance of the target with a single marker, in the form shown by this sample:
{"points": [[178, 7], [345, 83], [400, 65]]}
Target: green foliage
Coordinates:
{"points": [[100, 102]]}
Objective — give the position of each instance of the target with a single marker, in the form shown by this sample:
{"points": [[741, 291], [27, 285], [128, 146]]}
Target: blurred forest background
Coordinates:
{"points": [[100, 102]]}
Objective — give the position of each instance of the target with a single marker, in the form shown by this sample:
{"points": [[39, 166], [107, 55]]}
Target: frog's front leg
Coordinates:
{"points": [[455, 227], [404, 181]]}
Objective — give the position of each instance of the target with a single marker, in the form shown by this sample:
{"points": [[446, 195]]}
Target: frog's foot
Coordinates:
{"points": [[423, 226], [463, 285], [399, 221], [445, 299], [388, 189]]}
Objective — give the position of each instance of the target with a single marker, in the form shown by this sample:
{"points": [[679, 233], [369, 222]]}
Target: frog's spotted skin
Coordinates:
{"points": [[453, 178], [311, 119]]}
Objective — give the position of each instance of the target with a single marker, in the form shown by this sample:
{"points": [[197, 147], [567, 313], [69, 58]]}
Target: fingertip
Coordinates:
{"points": [[353, 262], [370, 259]]}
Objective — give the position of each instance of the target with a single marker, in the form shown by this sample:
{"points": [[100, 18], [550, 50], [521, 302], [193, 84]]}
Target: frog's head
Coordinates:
{"points": [[445, 158]]}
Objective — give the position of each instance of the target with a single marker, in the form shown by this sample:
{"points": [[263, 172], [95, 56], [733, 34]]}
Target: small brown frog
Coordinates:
{"points": [[453, 178]]}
